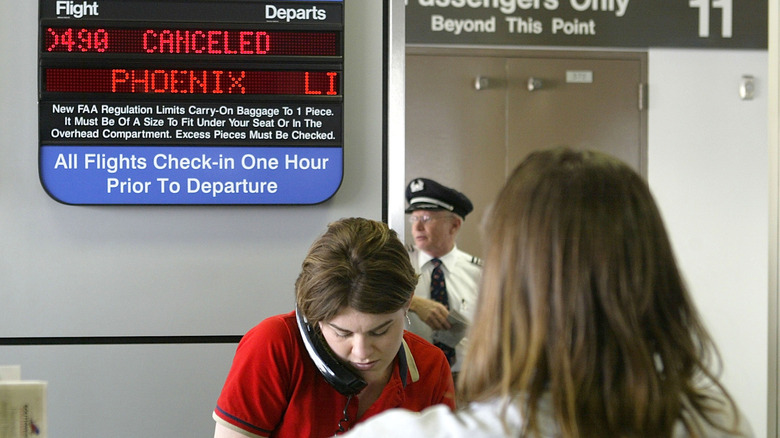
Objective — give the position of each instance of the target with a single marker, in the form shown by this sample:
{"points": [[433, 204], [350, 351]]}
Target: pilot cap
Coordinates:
{"points": [[427, 194]]}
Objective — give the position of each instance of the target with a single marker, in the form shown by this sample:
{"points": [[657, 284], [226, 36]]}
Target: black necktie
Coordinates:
{"points": [[439, 293]]}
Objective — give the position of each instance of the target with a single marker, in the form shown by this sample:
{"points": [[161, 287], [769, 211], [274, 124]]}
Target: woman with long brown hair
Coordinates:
{"points": [[584, 326]]}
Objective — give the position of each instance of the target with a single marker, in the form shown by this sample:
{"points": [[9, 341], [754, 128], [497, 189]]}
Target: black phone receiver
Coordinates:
{"points": [[336, 373]]}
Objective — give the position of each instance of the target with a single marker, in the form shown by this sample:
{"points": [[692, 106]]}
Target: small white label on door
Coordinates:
{"points": [[579, 76]]}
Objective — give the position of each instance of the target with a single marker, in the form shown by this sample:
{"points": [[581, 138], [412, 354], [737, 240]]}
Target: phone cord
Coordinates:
{"points": [[346, 417]]}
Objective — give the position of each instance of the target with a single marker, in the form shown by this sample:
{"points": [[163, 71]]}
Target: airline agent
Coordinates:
{"points": [[353, 291]]}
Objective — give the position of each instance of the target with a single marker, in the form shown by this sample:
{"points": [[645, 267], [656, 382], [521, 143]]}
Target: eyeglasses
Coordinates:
{"points": [[424, 219]]}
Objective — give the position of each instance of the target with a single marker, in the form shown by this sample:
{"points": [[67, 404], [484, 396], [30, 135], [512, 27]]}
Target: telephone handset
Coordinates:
{"points": [[336, 373]]}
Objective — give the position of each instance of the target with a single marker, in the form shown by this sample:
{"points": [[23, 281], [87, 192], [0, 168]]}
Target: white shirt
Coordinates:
{"points": [[462, 274], [484, 420]]}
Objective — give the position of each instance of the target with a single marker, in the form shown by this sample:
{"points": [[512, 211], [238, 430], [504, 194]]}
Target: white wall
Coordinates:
{"points": [[138, 271], [708, 168]]}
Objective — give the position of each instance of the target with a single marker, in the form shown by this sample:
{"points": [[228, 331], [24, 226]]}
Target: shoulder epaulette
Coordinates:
{"points": [[476, 260]]}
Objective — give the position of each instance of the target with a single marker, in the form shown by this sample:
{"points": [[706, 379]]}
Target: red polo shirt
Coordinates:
{"points": [[274, 389]]}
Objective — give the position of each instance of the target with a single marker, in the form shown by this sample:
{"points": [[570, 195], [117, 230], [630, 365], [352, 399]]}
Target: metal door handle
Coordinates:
{"points": [[534, 84]]}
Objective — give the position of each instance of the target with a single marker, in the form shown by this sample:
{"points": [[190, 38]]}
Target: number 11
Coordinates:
{"points": [[704, 16]]}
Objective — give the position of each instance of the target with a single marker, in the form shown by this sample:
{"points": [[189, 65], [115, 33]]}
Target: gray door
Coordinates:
{"points": [[470, 137], [580, 103]]}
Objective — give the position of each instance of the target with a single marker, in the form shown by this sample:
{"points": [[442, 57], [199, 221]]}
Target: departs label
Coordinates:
{"points": [[190, 175]]}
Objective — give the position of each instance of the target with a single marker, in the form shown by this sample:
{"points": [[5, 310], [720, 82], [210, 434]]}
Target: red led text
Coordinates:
{"points": [[212, 42], [76, 40], [191, 81], [190, 41], [177, 81]]}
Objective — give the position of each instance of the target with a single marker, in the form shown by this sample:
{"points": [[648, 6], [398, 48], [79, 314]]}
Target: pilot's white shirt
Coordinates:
{"points": [[462, 274]]}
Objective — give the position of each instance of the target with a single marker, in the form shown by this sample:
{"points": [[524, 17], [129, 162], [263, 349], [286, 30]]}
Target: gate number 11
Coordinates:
{"points": [[704, 16]]}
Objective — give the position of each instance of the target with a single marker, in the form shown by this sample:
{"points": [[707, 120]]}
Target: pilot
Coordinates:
{"points": [[449, 278]]}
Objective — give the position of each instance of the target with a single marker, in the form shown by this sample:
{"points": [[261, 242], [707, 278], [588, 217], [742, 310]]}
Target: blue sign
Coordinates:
{"points": [[190, 175], [197, 102]]}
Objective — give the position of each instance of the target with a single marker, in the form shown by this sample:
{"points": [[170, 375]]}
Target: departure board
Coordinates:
{"points": [[200, 102]]}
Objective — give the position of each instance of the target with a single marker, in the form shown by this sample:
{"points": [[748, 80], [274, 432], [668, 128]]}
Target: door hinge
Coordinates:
{"points": [[642, 97]]}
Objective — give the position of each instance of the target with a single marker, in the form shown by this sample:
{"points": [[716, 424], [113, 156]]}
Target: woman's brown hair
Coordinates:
{"points": [[582, 302], [357, 263]]}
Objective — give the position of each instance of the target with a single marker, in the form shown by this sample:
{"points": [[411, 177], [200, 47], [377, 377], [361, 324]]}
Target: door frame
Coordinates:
{"points": [[470, 54]]}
